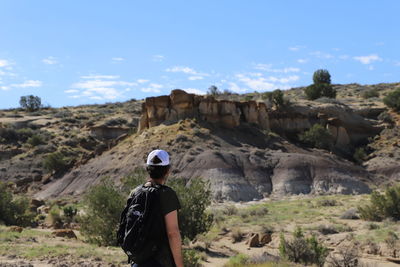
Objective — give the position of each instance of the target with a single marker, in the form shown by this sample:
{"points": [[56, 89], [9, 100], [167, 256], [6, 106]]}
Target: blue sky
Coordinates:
{"points": [[83, 52]]}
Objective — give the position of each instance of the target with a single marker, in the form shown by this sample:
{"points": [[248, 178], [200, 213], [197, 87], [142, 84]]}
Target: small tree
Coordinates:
{"points": [[321, 76], [213, 90], [303, 250], [30, 102], [14, 210], [322, 86], [317, 136], [194, 198], [392, 100], [104, 204], [382, 206], [56, 162]]}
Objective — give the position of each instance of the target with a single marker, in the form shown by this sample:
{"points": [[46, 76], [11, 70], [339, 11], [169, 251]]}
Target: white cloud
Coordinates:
{"points": [[296, 48], [370, 67], [236, 88], [268, 68], [71, 91], [261, 83], [100, 87], [110, 77], [194, 91], [29, 83], [320, 54], [183, 69], [118, 59], [142, 81], [343, 57], [368, 59], [50, 61], [258, 84], [158, 58], [4, 63], [153, 87], [4, 88], [302, 60], [194, 78]]}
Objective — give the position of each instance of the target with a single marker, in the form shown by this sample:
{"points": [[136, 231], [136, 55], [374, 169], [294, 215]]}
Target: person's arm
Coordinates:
{"points": [[174, 237]]}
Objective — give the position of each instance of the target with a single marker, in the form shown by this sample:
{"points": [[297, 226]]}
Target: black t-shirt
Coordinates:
{"points": [[168, 202]]}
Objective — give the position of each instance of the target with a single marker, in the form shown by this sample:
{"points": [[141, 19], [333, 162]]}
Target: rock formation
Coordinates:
{"points": [[180, 105]]}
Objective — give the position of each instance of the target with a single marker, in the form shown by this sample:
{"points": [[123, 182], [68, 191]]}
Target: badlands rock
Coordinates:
{"points": [[180, 105]]}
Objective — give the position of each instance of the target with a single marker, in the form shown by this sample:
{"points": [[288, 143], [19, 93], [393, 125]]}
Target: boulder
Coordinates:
{"points": [[68, 233], [265, 239], [254, 241]]}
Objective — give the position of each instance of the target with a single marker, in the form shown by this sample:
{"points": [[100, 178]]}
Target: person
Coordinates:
{"points": [[170, 251]]}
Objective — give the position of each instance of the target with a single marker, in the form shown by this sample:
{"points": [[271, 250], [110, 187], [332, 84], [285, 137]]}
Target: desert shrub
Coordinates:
{"points": [[326, 202], [104, 203], [131, 181], [275, 97], [317, 136], [55, 161], [359, 155], [116, 121], [346, 256], [54, 217], [237, 260], [303, 250], [322, 76], [230, 210], [382, 206], [327, 229], [392, 100], [393, 243], [14, 210], [237, 235], [35, 140], [386, 117], [370, 93], [372, 247], [350, 214], [69, 212], [24, 134], [372, 226], [191, 258], [8, 134], [194, 198], [30, 102], [315, 91]]}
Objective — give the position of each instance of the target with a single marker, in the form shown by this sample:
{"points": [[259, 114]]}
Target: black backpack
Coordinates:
{"points": [[141, 227]]}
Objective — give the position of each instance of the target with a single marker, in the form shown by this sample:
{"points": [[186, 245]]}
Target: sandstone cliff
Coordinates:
{"points": [[181, 105]]}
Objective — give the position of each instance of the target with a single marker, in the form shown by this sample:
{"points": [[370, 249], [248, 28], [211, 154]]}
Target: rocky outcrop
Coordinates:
{"points": [[180, 105], [346, 126], [103, 132]]}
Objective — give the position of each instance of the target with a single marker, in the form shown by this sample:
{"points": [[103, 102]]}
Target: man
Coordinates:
{"points": [[170, 251]]}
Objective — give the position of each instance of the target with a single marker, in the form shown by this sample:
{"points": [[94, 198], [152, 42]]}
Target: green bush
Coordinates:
{"points": [[191, 258], [14, 210], [316, 91], [359, 155], [317, 136], [321, 76], [70, 212], [56, 162], [35, 140], [370, 93], [382, 206], [54, 218], [104, 203], [194, 197], [276, 97], [303, 250], [386, 117], [392, 100], [238, 260]]}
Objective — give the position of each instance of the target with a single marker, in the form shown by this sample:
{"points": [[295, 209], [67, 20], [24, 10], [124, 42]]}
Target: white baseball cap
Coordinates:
{"points": [[160, 154]]}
